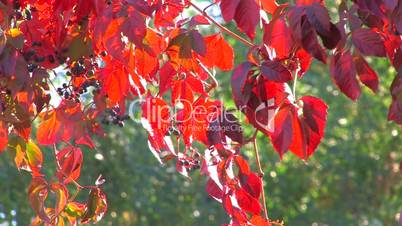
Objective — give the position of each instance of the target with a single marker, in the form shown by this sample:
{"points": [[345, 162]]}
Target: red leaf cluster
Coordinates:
{"points": [[71, 67]]}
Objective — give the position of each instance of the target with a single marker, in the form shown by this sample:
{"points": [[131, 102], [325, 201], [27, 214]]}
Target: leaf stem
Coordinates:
{"points": [[294, 85], [234, 35], [261, 175]]}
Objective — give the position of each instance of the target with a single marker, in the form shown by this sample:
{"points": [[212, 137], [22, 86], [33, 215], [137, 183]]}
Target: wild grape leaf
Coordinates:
{"points": [[166, 74], [305, 34], [260, 221], [96, 206], [343, 74], [367, 75], [64, 123], [214, 190], [61, 196], [276, 35], [238, 82], [270, 6], [368, 42], [218, 53], [194, 119], [275, 71], [28, 156], [225, 125], [74, 210], [187, 42], [37, 193], [115, 81], [299, 128], [134, 27], [395, 110], [247, 202], [156, 120], [69, 160], [3, 136], [246, 13]]}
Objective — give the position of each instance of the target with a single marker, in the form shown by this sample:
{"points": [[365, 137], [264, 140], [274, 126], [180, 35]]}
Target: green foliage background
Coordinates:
{"points": [[353, 178]]}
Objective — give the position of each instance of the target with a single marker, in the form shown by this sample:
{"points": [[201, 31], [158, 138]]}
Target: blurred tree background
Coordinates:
{"points": [[353, 178]]}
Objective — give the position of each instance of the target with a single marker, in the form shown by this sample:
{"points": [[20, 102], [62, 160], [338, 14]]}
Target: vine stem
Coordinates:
{"points": [[294, 85], [261, 175], [229, 32]]}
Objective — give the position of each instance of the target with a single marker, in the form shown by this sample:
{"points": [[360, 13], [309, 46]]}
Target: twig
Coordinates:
{"points": [[261, 175], [234, 35]]}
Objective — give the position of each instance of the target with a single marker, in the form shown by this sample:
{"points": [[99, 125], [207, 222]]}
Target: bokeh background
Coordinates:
{"points": [[353, 179]]}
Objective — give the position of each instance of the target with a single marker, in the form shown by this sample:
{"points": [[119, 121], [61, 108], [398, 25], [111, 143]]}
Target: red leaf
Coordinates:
{"points": [[259, 221], [166, 74], [343, 74], [299, 128], [65, 122], [213, 190], [269, 6], [305, 34], [3, 136], [247, 202], [187, 42], [219, 53], [238, 81], [37, 193], [70, 161], [367, 75], [246, 13], [395, 110], [275, 71], [61, 197], [276, 35], [115, 81], [134, 27], [252, 184], [368, 42], [96, 207]]}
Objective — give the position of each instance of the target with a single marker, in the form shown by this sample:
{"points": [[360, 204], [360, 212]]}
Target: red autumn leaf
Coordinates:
{"points": [[395, 110], [96, 206], [276, 35], [251, 183], [63, 123], [194, 119], [275, 71], [61, 197], [247, 202], [367, 75], [246, 13], [305, 34], [299, 128], [238, 216], [260, 221], [187, 42], [198, 20], [134, 27], [3, 136], [213, 190], [238, 82], [218, 53], [69, 160], [269, 6], [368, 42], [37, 193], [343, 74], [115, 81], [156, 120], [166, 74]]}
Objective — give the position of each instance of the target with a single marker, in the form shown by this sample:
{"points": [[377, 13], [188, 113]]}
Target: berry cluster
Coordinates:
{"points": [[114, 116]]}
